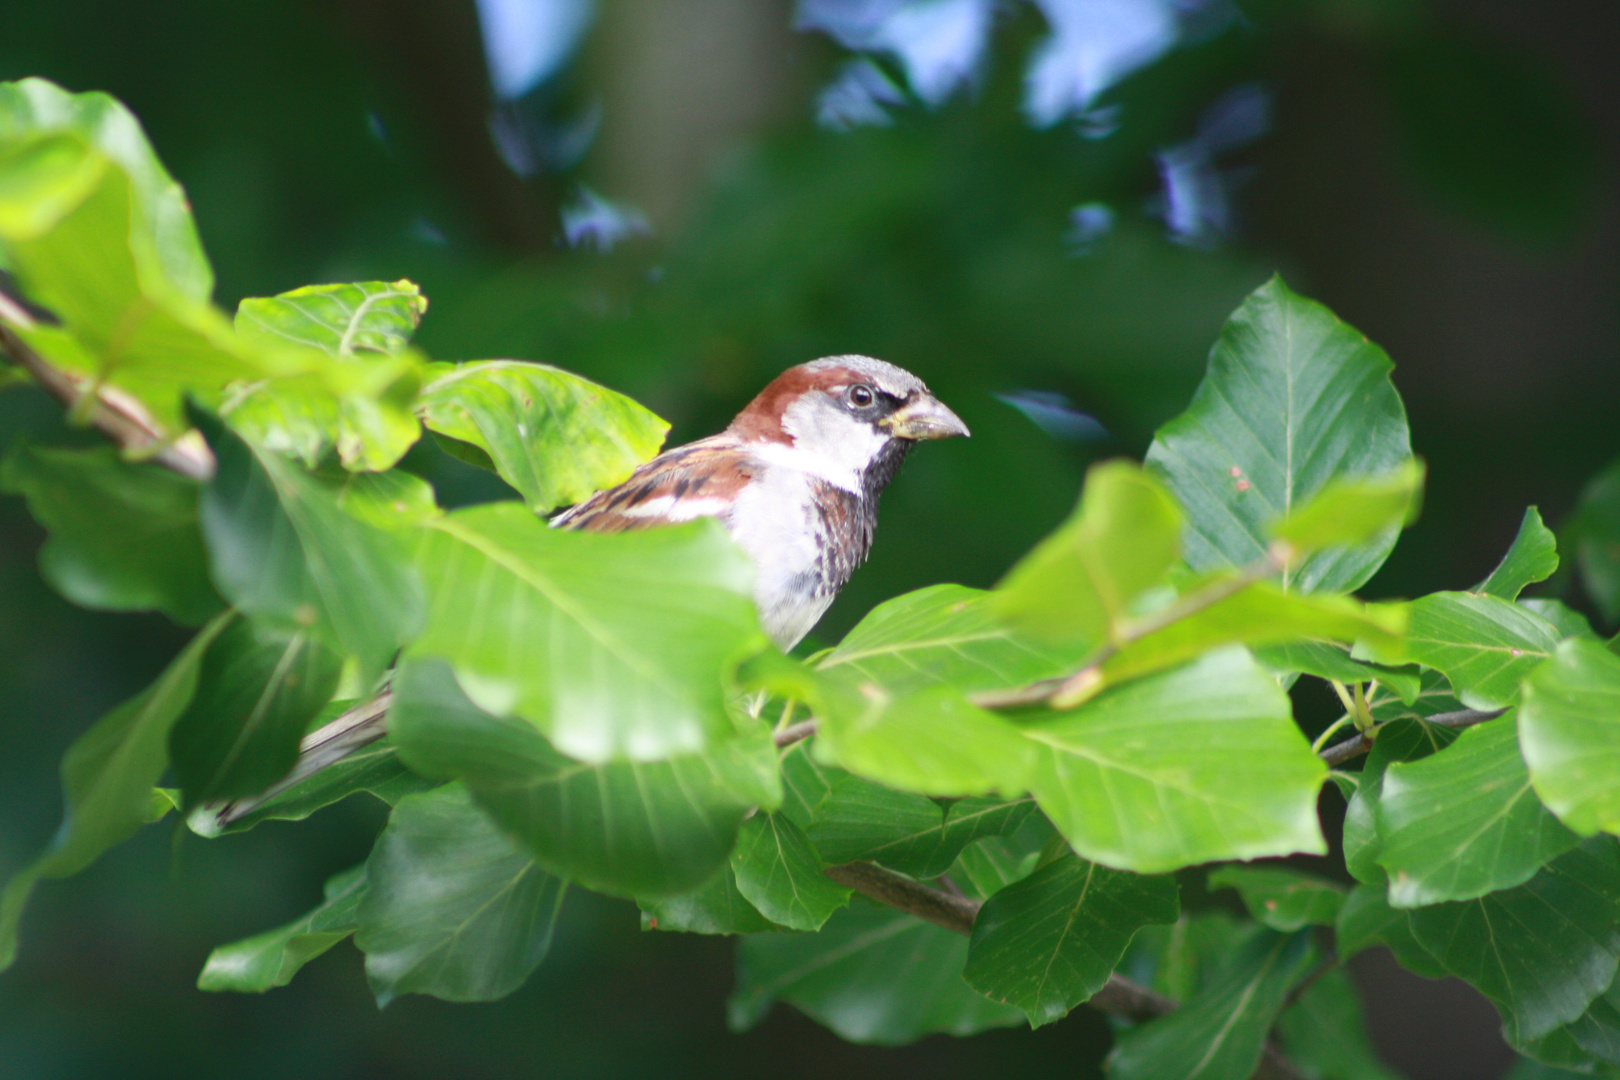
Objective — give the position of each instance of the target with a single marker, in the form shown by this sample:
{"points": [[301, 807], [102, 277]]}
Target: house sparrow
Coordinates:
{"points": [[795, 478]]}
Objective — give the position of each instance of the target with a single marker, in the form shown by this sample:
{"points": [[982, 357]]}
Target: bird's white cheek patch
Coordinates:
{"points": [[672, 509], [827, 443]]}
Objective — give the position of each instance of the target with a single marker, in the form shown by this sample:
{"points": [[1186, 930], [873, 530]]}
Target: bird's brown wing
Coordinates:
{"points": [[700, 479]]}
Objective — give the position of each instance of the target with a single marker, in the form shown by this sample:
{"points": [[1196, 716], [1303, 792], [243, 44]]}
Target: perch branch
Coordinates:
{"points": [[1361, 742]]}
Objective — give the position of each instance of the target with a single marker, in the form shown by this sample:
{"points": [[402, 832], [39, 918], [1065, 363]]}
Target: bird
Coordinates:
{"points": [[795, 479]]}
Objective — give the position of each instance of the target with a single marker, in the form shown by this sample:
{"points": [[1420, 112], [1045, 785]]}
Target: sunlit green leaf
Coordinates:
{"points": [[1353, 510], [1050, 941], [122, 536], [872, 975], [1293, 399], [1328, 661], [107, 776], [1483, 644], [451, 907], [1464, 822], [1078, 583], [1218, 1033], [268, 960], [1194, 765], [612, 645], [553, 436], [1533, 557], [778, 871], [1541, 952], [644, 829], [255, 696], [1569, 730], [1282, 899], [368, 316]]}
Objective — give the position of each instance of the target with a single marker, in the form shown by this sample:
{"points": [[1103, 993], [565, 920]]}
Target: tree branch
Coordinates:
{"points": [[795, 733], [1361, 742], [120, 417]]}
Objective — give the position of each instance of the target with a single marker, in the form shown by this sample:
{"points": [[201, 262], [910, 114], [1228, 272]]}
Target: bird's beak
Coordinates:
{"points": [[923, 418]]}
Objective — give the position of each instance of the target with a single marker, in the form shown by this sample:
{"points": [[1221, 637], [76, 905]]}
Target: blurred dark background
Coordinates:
{"points": [[1044, 209]]}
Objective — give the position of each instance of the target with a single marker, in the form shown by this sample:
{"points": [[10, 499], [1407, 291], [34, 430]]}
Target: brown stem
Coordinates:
{"points": [[121, 418], [1360, 743], [795, 733]]}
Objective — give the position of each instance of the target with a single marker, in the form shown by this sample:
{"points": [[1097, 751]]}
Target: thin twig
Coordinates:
{"points": [[795, 733], [120, 417], [1361, 742]]}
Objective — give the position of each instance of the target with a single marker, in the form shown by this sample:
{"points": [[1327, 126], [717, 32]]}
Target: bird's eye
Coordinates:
{"points": [[860, 396]]}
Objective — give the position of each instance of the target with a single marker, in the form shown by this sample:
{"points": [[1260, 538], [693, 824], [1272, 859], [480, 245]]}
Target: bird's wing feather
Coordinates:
{"points": [[700, 479]]}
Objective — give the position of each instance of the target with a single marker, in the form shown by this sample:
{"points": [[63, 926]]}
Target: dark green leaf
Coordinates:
{"points": [[1541, 952], [1595, 526], [1218, 1033], [268, 960], [1181, 959], [1532, 558], [122, 536], [1050, 941], [942, 634], [1483, 644], [1569, 729], [904, 831], [1199, 764], [778, 871], [804, 782], [256, 694], [1400, 740], [1293, 399], [1282, 899], [451, 907], [986, 866], [1078, 584], [643, 829], [1324, 1031], [1366, 919], [108, 775], [553, 436], [286, 554], [872, 975], [613, 646], [1565, 620], [715, 907], [1464, 822]]}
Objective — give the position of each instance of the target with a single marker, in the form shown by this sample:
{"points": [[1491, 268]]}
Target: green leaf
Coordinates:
{"points": [[1325, 1032], [1282, 899], [1199, 764], [1219, 1032], [872, 975], [1569, 730], [1485, 645], [553, 436], [778, 871], [1078, 584], [268, 960], [1566, 621], [931, 741], [1050, 941], [1366, 919], [162, 213], [715, 907], [1541, 952], [987, 866], [904, 831], [612, 645], [108, 775], [1464, 822], [1327, 661], [1258, 614], [1595, 526], [369, 316], [374, 769], [123, 537], [943, 634], [285, 553], [1354, 510], [1533, 557], [1293, 399], [643, 829], [1399, 740], [805, 781], [256, 694], [451, 907]]}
